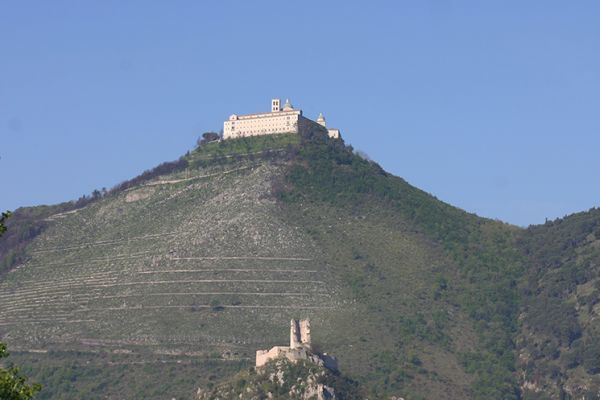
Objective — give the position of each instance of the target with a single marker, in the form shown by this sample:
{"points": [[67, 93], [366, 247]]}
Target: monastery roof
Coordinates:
{"points": [[294, 111]]}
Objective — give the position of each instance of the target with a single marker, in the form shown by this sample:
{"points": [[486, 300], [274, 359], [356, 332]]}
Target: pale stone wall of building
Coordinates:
{"points": [[333, 133], [261, 124]]}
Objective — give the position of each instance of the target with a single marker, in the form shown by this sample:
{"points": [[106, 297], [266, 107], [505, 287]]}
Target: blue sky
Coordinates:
{"points": [[492, 106]]}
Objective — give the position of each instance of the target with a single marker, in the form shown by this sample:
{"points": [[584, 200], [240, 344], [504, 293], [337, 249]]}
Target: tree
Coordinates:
{"points": [[3, 218], [207, 137], [13, 385]]}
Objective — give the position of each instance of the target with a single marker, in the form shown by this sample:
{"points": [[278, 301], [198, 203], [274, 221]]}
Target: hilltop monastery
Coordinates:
{"points": [[286, 120]]}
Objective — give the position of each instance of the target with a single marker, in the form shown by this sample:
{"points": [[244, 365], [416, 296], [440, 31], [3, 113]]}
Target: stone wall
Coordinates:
{"points": [[261, 124], [297, 354]]}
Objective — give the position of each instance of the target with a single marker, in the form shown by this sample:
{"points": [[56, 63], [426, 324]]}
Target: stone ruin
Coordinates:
{"points": [[300, 334], [299, 349]]}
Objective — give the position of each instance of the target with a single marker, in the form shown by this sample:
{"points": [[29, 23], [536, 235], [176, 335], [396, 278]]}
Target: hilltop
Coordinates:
{"points": [[171, 281], [282, 379]]}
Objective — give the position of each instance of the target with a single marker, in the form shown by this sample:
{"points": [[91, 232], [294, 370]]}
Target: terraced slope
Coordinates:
{"points": [[107, 273], [195, 265]]}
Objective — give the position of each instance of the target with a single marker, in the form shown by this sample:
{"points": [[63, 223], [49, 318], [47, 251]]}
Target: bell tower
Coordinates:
{"points": [[275, 105]]}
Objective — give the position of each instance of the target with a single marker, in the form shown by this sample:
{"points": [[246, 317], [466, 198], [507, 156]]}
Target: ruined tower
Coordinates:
{"points": [[299, 333], [300, 348]]}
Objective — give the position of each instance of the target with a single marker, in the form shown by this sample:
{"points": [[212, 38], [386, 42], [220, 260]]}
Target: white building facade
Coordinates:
{"points": [[279, 120]]}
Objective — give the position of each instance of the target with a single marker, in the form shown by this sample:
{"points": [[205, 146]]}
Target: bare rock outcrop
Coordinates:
{"points": [[280, 378]]}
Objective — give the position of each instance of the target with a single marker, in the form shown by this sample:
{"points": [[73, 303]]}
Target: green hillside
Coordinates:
{"points": [[173, 280], [559, 343]]}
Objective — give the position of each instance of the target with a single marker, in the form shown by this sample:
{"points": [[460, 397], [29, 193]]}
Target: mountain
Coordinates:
{"points": [[173, 280]]}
